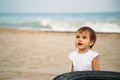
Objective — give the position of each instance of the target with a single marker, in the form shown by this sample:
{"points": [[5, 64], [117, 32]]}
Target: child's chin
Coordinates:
{"points": [[80, 48]]}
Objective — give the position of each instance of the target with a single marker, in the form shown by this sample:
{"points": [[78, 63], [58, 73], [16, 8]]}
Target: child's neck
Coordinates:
{"points": [[83, 51]]}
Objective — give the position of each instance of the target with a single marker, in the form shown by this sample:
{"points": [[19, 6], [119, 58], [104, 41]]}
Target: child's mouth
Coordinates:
{"points": [[80, 44]]}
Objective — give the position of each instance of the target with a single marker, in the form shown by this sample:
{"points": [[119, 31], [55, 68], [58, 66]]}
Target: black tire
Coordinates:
{"points": [[89, 75]]}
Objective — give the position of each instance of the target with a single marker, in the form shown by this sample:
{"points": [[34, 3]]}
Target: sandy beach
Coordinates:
{"points": [[37, 55]]}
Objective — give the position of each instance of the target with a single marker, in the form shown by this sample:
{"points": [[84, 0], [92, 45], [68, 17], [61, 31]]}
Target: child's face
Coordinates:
{"points": [[82, 40]]}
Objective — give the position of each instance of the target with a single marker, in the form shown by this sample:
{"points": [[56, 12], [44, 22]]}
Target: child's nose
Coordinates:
{"points": [[80, 39]]}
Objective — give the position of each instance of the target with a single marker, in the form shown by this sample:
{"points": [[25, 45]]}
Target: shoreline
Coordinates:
{"points": [[38, 31]]}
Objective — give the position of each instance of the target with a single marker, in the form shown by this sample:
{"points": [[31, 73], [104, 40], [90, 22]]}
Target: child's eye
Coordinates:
{"points": [[84, 37], [77, 36]]}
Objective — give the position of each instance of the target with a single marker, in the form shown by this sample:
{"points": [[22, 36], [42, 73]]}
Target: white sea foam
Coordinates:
{"points": [[67, 26], [104, 27], [58, 26], [100, 22]]}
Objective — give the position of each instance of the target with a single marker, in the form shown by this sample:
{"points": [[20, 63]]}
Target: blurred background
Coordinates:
{"points": [[60, 15]]}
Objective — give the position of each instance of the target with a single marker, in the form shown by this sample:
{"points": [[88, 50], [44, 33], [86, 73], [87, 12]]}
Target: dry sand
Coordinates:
{"points": [[36, 55]]}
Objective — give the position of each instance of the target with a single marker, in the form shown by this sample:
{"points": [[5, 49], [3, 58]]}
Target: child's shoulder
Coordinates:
{"points": [[72, 55], [94, 53]]}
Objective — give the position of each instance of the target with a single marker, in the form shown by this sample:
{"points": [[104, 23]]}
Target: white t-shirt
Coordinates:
{"points": [[82, 62]]}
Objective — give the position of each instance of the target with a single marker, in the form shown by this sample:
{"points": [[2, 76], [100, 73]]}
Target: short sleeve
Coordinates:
{"points": [[95, 54], [70, 56]]}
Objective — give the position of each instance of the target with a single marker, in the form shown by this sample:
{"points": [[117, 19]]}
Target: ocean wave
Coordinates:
{"points": [[71, 26]]}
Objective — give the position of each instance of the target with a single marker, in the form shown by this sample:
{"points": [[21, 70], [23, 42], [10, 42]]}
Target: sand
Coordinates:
{"points": [[37, 55]]}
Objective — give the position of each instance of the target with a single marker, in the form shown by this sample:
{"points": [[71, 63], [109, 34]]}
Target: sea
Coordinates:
{"points": [[108, 22]]}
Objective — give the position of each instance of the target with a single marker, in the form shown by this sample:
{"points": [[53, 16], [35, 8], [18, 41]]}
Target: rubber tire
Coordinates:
{"points": [[89, 75]]}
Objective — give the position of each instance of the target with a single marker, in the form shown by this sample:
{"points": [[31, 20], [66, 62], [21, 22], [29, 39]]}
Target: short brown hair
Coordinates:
{"points": [[91, 31]]}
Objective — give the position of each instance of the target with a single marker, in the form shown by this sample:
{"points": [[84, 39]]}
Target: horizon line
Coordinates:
{"points": [[56, 12]]}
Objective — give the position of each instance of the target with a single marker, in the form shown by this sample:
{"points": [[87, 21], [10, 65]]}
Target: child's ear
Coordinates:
{"points": [[91, 43]]}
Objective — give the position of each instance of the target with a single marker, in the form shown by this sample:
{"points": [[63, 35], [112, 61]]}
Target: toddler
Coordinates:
{"points": [[84, 58]]}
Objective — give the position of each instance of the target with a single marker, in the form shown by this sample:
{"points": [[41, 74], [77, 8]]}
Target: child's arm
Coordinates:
{"points": [[72, 68], [95, 64]]}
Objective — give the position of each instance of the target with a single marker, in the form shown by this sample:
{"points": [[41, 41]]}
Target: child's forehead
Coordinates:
{"points": [[83, 32]]}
